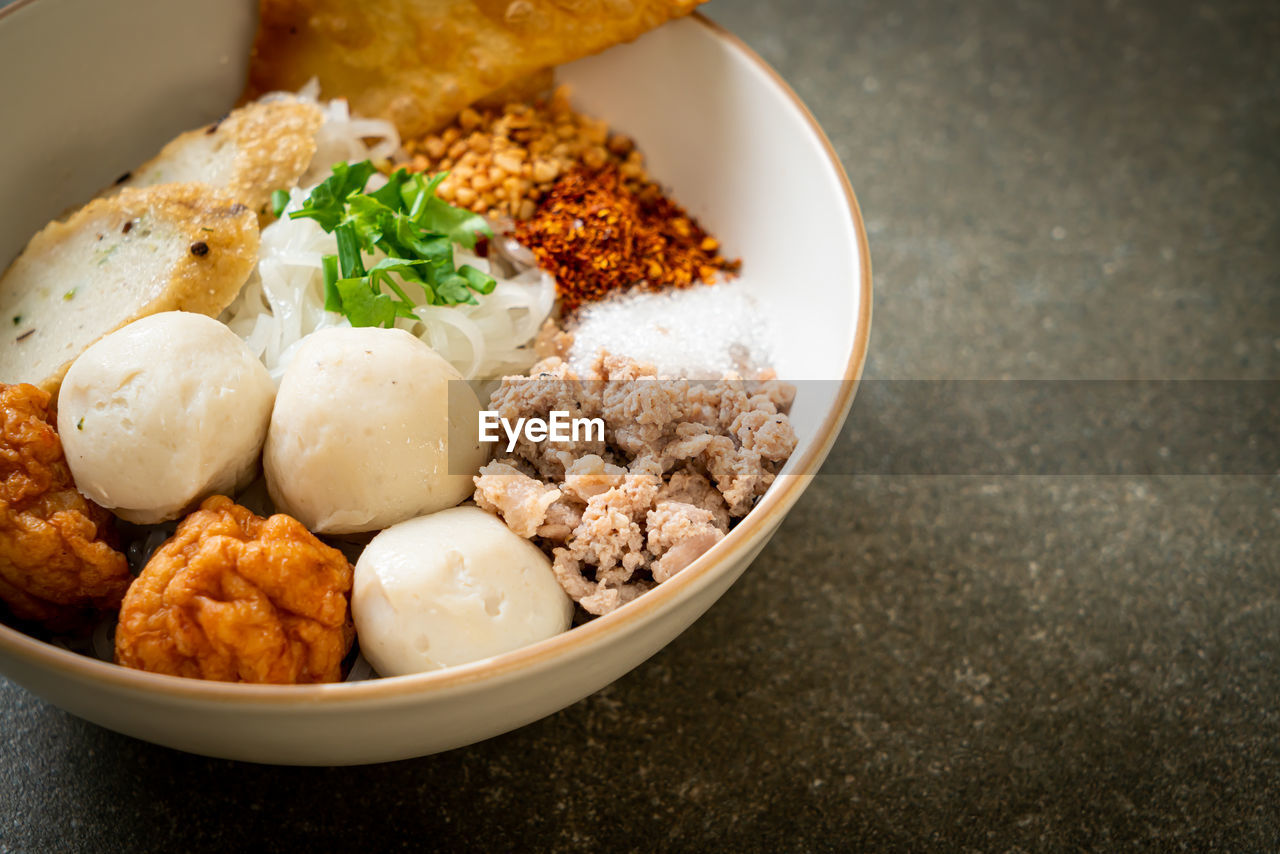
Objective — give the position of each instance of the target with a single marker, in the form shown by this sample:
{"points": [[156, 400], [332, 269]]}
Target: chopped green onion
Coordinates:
{"points": [[279, 201], [332, 299], [349, 251], [405, 220]]}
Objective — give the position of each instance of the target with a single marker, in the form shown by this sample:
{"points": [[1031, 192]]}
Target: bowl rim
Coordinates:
{"points": [[753, 528]]}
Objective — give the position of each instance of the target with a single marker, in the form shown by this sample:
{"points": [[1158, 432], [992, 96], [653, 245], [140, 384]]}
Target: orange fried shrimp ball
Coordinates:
{"points": [[57, 566], [234, 597]]}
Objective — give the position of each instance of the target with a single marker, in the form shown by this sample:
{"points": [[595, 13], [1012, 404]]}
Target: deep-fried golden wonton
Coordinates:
{"points": [[419, 62]]}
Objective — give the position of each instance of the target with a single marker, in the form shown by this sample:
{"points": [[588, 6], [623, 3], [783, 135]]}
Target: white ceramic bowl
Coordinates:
{"points": [[717, 126]]}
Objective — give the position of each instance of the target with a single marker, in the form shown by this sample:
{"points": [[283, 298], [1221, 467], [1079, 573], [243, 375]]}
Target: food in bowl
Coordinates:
{"points": [[675, 464], [162, 413], [171, 247], [420, 62], [341, 469], [58, 563], [369, 291], [238, 598], [452, 587], [258, 147]]}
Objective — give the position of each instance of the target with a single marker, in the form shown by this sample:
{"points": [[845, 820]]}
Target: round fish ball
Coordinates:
{"points": [[452, 587], [371, 427], [162, 413]]}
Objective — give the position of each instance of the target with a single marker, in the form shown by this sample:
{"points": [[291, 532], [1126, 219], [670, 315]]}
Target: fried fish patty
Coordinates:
{"points": [[57, 565], [256, 149], [234, 597], [183, 247]]}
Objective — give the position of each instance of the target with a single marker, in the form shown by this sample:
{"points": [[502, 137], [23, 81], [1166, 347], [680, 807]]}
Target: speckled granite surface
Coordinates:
{"points": [[952, 663]]}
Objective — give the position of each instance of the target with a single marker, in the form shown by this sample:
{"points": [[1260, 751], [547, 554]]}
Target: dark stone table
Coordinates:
{"points": [[992, 661]]}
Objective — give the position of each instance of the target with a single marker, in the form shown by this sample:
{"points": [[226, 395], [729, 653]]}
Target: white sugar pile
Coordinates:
{"points": [[701, 332]]}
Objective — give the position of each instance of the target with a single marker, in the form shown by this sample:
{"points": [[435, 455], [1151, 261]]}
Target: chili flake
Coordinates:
{"points": [[598, 234]]}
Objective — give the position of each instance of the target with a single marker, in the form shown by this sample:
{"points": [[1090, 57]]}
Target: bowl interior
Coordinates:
{"points": [[718, 129]]}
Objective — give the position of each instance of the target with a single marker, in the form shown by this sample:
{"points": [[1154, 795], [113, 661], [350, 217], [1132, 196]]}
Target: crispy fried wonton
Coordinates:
{"points": [[419, 62]]}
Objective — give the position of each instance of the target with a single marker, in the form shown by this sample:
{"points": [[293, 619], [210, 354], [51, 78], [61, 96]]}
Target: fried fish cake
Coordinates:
{"points": [[171, 247], [234, 597], [57, 564], [419, 62], [255, 150]]}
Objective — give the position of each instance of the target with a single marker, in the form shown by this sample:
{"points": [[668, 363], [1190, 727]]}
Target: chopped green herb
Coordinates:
{"points": [[332, 299], [68, 295], [80, 423], [279, 201], [363, 306], [349, 260], [327, 202], [17, 318], [205, 228], [411, 225]]}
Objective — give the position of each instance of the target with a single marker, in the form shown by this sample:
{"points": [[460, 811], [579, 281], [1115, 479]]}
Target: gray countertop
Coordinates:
{"points": [[993, 662]]}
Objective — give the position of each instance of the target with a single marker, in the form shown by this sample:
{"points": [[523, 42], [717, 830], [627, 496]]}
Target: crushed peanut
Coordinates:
{"points": [[504, 162]]}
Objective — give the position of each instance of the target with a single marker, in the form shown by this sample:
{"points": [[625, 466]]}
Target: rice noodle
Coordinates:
{"points": [[283, 300], [341, 137], [360, 670]]}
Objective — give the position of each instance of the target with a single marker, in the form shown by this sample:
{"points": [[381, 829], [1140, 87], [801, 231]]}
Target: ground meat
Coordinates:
{"points": [[595, 597], [678, 462], [679, 534], [781, 394], [237, 598], [690, 442], [690, 487], [739, 473], [58, 566], [552, 341], [549, 386], [587, 477], [610, 540], [520, 500], [769, 435], [561, 520]]}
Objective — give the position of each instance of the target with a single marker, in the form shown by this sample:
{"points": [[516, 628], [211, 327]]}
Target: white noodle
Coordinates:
{"points": [[360, 670]]}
